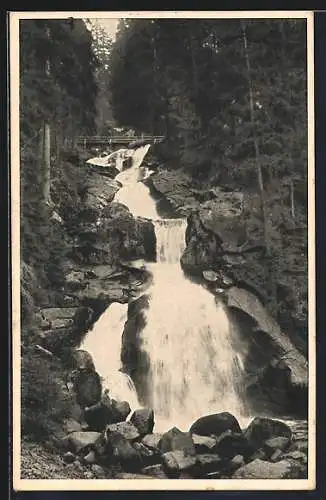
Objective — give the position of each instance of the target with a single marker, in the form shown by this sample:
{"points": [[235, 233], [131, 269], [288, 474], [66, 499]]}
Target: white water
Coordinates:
{"points": [[103, 342], [196, 363]]}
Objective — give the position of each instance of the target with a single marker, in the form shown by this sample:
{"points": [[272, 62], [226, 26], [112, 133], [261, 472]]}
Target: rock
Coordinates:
{"points": [[276, 456], [152, 441], [126, 429], [69, 457], [260, 469], [127, 475], [90, 458], [297, 455], [121, 410], [83, 440], [143, 419], [289, 375], [208, 463], [105, 412], [262, 429], [215, 424], [71, 425], [155, 471], [88, 474], [82, 360], [88, 389], [236, 462], [174, 440], [204, 444], [98, 471], [122, 452], [230, 445], [135, 361], [176, 461], [277, 443], [149, 456], [210, 275]]}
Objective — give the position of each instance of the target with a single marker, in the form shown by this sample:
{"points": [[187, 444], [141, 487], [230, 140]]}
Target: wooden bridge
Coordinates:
{"points": [[97, 140]]}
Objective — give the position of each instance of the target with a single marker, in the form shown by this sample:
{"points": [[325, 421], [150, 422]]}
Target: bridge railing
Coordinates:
{"points": [[97, 139]]}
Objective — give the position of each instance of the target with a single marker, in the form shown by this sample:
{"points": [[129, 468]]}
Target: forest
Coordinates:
{"points": [[230, 98]]}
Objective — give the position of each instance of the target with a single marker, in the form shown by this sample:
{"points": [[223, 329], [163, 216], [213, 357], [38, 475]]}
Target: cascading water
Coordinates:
{"points": [[195, 360], [103, 342]]}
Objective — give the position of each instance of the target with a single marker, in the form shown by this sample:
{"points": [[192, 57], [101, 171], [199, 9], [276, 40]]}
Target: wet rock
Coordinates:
{"points": [[262, 429], [260, 469], [230, 445], [152, 441], [69, 457], [79, 441], [175, 439], [82, 360], [277, 443], [236, 462], [143, 419], [276, 456], [121, 451], [215, 424], [135, 360], [155, 471], [126, 429], [297, 455], [121, 410], [88, 389], [208, 463], [149, 456], [105, 412], [204, 444], [174, 462]]}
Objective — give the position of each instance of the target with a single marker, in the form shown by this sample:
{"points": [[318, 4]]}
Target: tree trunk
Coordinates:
{"points": [[292, 199], [47, 164], [255, 141]]}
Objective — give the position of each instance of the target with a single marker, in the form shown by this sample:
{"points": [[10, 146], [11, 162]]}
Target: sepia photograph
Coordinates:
{"points": [[162, 231]]}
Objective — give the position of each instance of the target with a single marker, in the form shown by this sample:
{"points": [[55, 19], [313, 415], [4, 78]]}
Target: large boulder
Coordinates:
{"points": [[60, 325], [143, 419], [231, 444], [174, 439], [152, 441], [204, 444], [120, 450], [135, 361], [106, 411], [261, 469], [215, 424], [262, 429], [177, 461], [125, 429], [83, 440]]}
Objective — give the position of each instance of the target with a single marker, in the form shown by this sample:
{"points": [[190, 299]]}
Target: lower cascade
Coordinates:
{"points": [[195, 359]]}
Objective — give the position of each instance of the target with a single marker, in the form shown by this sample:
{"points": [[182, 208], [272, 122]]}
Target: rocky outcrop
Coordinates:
{"points": [[266, 449], [215, 424], [61, 327], [135, 360]]}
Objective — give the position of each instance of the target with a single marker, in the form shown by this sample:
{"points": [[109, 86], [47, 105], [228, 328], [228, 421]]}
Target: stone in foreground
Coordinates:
{"points": [[143, 420], [215, 424], [260, 469]]}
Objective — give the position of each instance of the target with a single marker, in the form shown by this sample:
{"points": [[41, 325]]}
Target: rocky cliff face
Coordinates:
{"points": [[105, 240], [226, 253]]}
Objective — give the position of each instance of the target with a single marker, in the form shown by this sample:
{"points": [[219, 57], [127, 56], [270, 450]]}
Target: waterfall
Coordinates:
{"points": [[195, 357], [103, 342]]}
